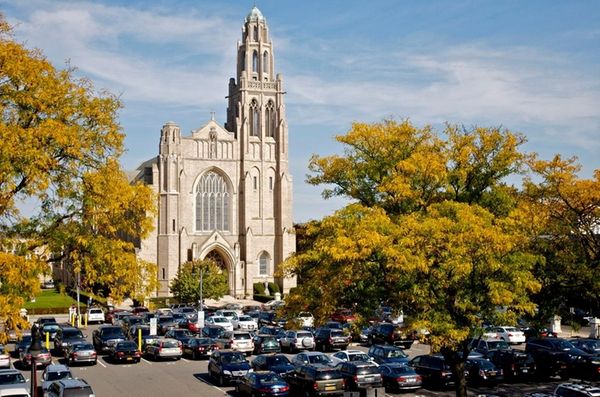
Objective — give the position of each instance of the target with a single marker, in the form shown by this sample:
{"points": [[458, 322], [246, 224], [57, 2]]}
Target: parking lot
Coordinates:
{"points": [[189, 378]]}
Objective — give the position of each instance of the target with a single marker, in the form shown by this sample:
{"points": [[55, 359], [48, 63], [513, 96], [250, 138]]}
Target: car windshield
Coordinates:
{"points": [[564, 345], [78, 392], [56, 375], [112, 331], [359, 357], [126, 345], [205, 341], [511, 329], [278, 360], [269, 378], [337, 333], [396, 353], [242, 336], [170, 343], [9, 379], [245, 318], [304, 335], [319, 359], [72, 333], [83, 346], [367, 370], [234, 358], [220, 320], [50, 328], [497, 345], [400, 370], [322, 375]]}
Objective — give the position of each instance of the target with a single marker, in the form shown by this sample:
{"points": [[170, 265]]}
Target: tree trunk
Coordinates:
{"points": [[458, 367]]}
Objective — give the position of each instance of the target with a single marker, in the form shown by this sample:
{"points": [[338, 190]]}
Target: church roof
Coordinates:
{"points": [[255, 15]]}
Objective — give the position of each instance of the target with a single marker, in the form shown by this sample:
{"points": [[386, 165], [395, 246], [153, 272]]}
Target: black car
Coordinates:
{"points": [[213, 331], [165, 323], [199, 347], [264, 343], [360, 375], [262, 383], [392, 334], [513, 363], [22, 344], [591, 346], [385, 354], [399, 377], [107, 336], [482, 371], [329, 339], [276, 331], [267, 318], [555, 356], [434, 370], [227, 366], [182, 335], [133, 334], [66, 336], [316, 380], [126, 351], [49, 328], [277, 363]]}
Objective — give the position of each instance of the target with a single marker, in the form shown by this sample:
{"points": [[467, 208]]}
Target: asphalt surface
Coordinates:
{"points": [[189, 378]]}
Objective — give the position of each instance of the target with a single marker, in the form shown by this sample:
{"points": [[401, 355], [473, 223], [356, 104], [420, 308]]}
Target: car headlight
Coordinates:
{"points": [[226, 372], [250, 370]]}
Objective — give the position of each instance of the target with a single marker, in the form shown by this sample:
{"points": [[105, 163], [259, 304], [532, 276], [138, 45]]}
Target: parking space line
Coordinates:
{"points": [[101, 363], [146, 361], [184, 359], [210, 384]]}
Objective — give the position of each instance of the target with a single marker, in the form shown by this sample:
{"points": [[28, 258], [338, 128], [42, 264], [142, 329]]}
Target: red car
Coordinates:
{"points": [[343, 316]]}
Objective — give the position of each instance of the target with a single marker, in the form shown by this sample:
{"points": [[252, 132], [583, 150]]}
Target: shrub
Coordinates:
{"points": [[262, 298], [259, 289], [273, 287]]}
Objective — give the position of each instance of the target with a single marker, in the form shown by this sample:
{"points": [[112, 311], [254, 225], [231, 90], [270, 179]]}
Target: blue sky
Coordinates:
{"points": [[530, 66]]}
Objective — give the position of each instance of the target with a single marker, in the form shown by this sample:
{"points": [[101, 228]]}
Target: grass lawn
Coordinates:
{"points": [[49, 298]]}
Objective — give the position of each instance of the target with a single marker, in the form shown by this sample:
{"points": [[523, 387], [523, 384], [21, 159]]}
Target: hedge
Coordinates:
{"points": [[273, 287], [262, 297]]}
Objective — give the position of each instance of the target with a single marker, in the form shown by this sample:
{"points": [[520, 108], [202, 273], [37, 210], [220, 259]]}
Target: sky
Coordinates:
{"points": [[529, 66]]}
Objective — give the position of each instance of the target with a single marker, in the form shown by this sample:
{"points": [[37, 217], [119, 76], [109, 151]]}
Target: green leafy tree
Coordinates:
{"points": [[186, 284], [433, 229], [60, 142]]}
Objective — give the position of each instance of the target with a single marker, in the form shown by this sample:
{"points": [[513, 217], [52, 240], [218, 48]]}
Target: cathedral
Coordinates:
{"points": [[224, 191]]}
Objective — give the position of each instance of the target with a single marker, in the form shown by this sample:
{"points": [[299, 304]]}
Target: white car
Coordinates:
{"points": [[95, 315], [508, 334], [220, 321], [306, 319], [350, 355], [245, 322], [231, 315]]}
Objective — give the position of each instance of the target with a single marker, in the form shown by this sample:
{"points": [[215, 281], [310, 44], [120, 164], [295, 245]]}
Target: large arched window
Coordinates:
{"points": [[263, 264], [254, 119], [270, 120], [265, 62], [255, 61], [213, 202]]}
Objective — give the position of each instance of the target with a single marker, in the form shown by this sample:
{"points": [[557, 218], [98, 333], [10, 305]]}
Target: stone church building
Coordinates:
{"points": [[225, 191]]}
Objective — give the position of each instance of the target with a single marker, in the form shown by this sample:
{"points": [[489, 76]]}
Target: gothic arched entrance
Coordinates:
{"points": [[224, 263]]}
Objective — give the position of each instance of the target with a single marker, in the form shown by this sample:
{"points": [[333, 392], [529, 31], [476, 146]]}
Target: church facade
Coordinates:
{"points": [[225, 191]]}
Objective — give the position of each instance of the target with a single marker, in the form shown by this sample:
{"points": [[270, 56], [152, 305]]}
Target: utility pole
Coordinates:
{"points": [[78, 307]]}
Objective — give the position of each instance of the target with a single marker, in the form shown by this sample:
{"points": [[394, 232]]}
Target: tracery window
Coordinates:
{"points": [[254, 119], [263, 264], [270, 119], [265, 62], [212, 203]]}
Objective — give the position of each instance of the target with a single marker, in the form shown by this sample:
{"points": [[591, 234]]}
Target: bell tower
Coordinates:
{"points": [[256, 116]]}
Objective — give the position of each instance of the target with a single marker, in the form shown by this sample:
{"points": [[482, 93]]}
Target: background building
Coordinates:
{"points": [[225, 192]]}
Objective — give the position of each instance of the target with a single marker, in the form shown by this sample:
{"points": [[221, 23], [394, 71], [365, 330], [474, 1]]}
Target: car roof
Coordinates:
{"points": [[72, 383], [57, 368], [9, 371]]}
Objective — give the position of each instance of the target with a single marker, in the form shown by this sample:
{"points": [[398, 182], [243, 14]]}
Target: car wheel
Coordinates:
{"points": [[194, 355], [221, 380]]}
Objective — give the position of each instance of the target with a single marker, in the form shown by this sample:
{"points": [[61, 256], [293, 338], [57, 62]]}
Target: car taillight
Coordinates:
{"points": [[355, 379], [343, 383], [284, 388], [93, 354], [330, 340], [401, 379], [510, 335], [482, 373], [316, 386], [120, 354], [446, 373], [138, 354]]}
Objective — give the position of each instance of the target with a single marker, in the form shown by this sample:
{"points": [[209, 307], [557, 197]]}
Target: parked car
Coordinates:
{"points": [[42, 359], [482, 371], [134, 332], [4, 357], [164, 348], [508, 334], [11, 378], [295, 340], [182, 335], [220, 321], [382, 354], [433, 370], [387, 333], [360, 375], [188, 311], [316, 380], [513, 363], [349, 355], [82, 352], [267, 317], [199, 347], [590, 346], [165, 323], [307, 358], [276, 331], [306, 319], [329, 339], [576, 390], [397, 377], [22, 344], [277, 363], [45, 319], [126, 351], [49, 328], [118, 317], [66, 336], [263, 383], [107, 336], [69, 387], [245, 323], [53, 373], [138, 310], [554, 356], [265, 343], [95, 315], [227, 366], [129, 321], [343, 316]]}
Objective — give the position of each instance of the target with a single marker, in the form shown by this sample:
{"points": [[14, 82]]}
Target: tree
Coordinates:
{"points": [[186, 284], [433, 230], [60, 142]]}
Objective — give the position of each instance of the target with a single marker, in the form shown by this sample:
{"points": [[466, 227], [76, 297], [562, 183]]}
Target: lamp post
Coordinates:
{"points": [[34, 349], [200, 319]]}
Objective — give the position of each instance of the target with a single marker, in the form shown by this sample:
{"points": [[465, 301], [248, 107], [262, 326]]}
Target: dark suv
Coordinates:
{"points": [[329, 339], [555, 356], [513, 363], [66, 336], [360, 375], [227, 366], [382, 354], [69, 387], [391, 334], [576, 390], [316, 380], [107, 336], [434, 370]]}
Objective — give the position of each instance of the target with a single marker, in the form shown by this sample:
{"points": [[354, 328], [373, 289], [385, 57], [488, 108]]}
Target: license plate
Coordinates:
{"points": [[330, 387], [525, 370], [129, 358], [411, 380]]}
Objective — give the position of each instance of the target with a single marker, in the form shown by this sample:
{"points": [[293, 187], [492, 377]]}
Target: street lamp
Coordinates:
{"points": [[200, 319], [34, 349]]}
